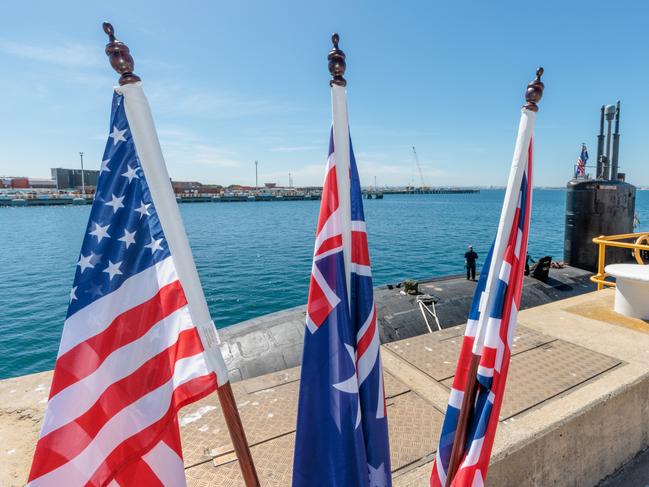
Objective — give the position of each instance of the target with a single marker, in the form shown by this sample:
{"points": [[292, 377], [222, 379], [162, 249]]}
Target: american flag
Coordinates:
{"points": [[342, 431], [130, 355], [490, 329], [581, 161]]}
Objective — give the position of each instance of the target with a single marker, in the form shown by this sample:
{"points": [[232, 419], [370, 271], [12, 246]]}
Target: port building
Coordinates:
{"points": [[71, 178]]}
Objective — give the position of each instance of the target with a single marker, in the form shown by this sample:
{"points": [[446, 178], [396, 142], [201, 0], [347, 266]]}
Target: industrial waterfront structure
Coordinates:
{"points": [[73, 179]]}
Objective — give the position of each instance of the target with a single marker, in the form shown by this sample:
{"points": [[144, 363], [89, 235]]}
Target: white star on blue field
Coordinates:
{"points": [[124, 235]]}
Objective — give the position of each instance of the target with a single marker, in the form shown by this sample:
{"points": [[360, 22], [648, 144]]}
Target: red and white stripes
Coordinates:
{"points": [[115, 392]]}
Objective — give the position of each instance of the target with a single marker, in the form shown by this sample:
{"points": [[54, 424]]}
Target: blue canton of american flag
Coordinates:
{"points": [[493, 350], [342, 430], [124, 235], [130, 355]]}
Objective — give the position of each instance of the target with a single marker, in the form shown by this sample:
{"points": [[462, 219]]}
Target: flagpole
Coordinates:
{"points": [[149, 152], [533, 94], [338, 83]]}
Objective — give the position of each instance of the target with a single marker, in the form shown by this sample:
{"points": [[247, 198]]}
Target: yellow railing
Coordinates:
{"points": [[640, 242]]}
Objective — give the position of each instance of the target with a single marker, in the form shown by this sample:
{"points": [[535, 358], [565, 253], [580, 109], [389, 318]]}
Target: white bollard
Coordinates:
{"points": [[632, 289]]}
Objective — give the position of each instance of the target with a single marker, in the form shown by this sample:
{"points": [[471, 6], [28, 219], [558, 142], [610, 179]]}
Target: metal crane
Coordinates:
{"points": [[421, 174]]}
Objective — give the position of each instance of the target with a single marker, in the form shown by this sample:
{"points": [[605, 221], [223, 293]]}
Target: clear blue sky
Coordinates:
{"points": [[231, 82]]}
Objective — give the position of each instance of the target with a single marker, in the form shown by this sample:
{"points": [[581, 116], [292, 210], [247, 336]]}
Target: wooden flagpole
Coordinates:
{"points": [[533, 95], [122, 62], [238, 435], [466, 410]]}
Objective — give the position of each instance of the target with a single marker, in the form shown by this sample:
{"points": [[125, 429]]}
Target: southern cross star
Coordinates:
{"points": [[128, 238], [73, 293], [85, 262], [130, 173], [154, 245], [116, 203], [100, 232], [378, 478], [113, 269], [117, 135]]}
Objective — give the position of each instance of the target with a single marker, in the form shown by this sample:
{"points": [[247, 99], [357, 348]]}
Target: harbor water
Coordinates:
{"points": [[253, 258]]}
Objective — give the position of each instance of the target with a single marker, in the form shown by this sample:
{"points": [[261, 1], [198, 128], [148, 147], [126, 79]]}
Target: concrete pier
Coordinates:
{"points": [[576, 407]]}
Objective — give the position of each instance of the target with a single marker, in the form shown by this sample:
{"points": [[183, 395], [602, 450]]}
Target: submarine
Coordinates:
{"points": [[599, 204]]}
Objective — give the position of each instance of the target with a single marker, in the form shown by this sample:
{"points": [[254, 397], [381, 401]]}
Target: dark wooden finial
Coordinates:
{"points": [[534, 92], [120, 57], [337, 63]]}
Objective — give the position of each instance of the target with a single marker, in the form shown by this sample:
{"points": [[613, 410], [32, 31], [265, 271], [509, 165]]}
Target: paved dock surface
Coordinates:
{"points": [[575, 363]]}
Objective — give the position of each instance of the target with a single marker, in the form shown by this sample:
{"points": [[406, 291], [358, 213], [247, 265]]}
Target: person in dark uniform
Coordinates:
{"points": [[527, 264], [469, 262]]}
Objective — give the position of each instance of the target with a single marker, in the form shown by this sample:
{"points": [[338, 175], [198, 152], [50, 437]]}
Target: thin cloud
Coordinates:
{"points": [[307, 175], [401, 172], [183, 148], [208, 104], [301, 148], [186, 155], [68, 54]]}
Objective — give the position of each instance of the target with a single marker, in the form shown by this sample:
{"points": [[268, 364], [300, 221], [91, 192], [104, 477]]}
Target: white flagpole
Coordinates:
{"points": [[341, 156], [337, 67], [519, 163], [149, 153]]}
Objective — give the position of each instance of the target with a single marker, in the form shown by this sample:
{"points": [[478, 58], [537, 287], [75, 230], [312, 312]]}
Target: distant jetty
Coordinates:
{"points": [[43, 200], [53, 199], [432, 191]]}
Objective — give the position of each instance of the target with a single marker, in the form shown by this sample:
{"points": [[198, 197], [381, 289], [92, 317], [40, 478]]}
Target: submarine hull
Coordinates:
{"points": [[275, 342], [593, 208]]}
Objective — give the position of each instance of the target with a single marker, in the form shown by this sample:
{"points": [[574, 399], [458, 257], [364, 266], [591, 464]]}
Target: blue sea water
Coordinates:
{"points": [[253, 258]]}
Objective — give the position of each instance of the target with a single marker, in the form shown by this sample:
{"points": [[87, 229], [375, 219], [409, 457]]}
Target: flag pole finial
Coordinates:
{"points": [[120, 57], [337, 63], [534, 92]]}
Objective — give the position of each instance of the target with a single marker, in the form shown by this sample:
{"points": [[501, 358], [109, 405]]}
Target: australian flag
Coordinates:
{"points": [[342, 430]]}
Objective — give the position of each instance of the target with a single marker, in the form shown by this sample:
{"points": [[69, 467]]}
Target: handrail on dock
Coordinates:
{"points": [[639, 243]]}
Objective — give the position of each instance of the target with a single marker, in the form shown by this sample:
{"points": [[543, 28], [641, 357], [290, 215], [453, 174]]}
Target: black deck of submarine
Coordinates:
{"points": [[273, 342]]}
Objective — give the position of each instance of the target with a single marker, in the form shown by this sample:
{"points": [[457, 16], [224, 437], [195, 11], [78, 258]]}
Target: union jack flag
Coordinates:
{"points": [[490, 330], [342, 430], [131, 354]]}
